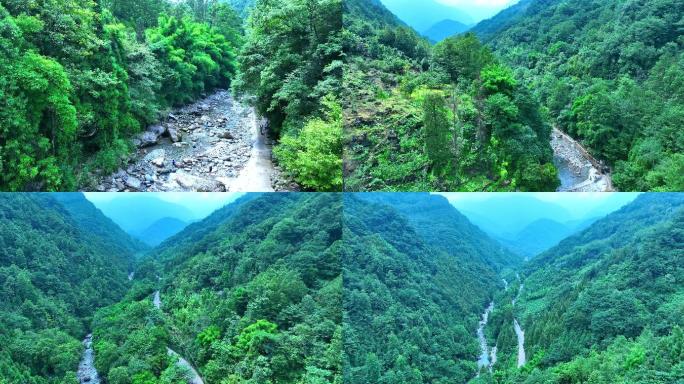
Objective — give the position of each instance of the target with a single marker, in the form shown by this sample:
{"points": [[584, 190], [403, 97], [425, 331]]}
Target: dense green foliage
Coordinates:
{"points": [[291, 63], [416, 276], [611, 74], [252, 294], [54, 273], [604, 306], [448, 117], [77, 81]]}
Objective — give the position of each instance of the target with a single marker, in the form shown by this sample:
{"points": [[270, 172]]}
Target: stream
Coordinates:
{"points": [[87, 374], [487, 357], [195, 378], [578, 170], [518, 329], [521, 343], [217, 144]]}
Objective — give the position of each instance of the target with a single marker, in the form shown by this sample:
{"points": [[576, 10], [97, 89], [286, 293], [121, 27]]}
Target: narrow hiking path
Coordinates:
{"points": [[214, 145], [87, 374], [579, 171], [194, 378], [487, 356]]}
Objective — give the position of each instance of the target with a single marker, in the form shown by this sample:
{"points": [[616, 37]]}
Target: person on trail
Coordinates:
{"points": [[174, 163]]}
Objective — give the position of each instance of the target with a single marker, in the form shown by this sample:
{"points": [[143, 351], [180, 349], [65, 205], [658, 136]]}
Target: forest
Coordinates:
{"points": [[449, 117], [327, 288], [251, 294], [80, 78], [475, 111]]}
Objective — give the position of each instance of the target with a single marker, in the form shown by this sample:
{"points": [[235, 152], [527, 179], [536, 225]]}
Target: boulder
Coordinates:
{"points": [[157, 129], [226, 135], [195, 183], [173, 134], [146, 139], [133, 183]]}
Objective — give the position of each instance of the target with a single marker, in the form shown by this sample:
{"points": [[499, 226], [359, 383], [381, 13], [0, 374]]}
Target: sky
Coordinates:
{"points": [[200, 203], [479, 9], [511, 212], [422, 14]]}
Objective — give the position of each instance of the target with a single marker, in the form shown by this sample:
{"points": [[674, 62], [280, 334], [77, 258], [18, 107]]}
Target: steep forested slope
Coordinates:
{"points": [[610, 74], [291, 64], [413, 291], [255, 297], [605, 305], [54, 273], [79, 78], [449, 117], [94, 223]]}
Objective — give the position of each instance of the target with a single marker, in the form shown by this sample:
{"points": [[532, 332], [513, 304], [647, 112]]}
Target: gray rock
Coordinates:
{"points": [[226, 135], [147, 139], [195, 183], [174, 134], [157, 129], [133, 183]]}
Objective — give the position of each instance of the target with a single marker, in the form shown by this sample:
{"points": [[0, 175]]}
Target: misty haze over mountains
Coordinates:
{"points": [[439, 19]]}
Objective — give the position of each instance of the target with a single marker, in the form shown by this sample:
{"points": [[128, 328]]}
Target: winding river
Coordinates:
{"points": [[519, 331], [487, 356]]}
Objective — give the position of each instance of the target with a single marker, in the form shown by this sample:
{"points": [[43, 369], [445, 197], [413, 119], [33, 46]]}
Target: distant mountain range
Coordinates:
{"points": [[445, 28], [160, 230], [423, 15]]}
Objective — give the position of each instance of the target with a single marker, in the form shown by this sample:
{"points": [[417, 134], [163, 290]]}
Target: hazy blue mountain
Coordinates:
{"points": [[136, 213], [505, 215], [94, 223], [543, 234], [445, 28], [161, 230], [241, 6], [421, 15], [486, 29]]}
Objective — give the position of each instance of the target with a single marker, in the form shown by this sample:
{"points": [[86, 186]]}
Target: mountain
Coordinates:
{"points": [[487, 29], [607, 301], [424, 14], [542, 234], [399, 99], [54, 273], [504, 215], [609, 74], [135, 213], [444, 29], [417, 276], [93, 222], [161, 230], [253, 293], [241, 6]]}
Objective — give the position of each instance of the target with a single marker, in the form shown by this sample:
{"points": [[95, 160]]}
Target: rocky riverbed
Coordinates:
{"points": [[578, 170], [87, 374], [217, 144]]}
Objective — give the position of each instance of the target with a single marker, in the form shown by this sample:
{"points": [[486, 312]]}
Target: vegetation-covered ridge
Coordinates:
{"points": [[604, 306], [252, 294], [448, 117], [55, 271], [610, 74], [416, 276]]}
